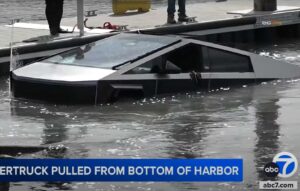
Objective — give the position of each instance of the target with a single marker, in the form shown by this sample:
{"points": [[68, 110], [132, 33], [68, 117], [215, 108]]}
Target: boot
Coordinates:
{"points": [[183, 18], [171, 19], [54, 32]]}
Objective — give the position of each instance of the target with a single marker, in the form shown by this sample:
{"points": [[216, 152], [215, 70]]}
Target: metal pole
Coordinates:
{"points": [[13, 22], [4, 186], [80, 16], [11, 44]]}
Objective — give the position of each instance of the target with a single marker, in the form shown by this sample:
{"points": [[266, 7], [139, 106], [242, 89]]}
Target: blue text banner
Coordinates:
{"points": [[120, 170]]}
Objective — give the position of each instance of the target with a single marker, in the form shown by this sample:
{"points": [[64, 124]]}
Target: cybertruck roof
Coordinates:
{"points": [[95, 60]]}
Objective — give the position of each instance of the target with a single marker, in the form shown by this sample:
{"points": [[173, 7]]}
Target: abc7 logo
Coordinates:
{"points": [[284, 165]]}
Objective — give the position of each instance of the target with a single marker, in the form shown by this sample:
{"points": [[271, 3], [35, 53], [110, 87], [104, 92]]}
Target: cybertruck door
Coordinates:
{"points": [[175, 83], [131, 85], [163, 73], [152, 78]]}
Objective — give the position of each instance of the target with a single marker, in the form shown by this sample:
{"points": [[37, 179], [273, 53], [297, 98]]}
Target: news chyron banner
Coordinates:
{"points": [[121, 170]]}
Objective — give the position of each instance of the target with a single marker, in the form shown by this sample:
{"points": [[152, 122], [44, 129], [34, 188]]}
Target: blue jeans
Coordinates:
{"points": [[171, 7]]}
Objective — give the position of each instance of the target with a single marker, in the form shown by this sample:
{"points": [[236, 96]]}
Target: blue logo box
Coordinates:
{"points": [[120, 170]]}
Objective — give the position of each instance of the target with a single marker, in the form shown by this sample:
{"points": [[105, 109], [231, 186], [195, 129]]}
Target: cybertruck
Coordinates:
{"points": [[142, 65]]}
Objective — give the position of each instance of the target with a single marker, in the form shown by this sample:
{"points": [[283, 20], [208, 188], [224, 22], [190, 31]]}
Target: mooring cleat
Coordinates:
{"points": [[186, 19], [13, 21], [122, 27], [91, 13], [191, 20]]}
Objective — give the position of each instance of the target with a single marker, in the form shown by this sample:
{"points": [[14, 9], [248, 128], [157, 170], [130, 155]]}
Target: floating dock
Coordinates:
{"points": [[218, 22]]}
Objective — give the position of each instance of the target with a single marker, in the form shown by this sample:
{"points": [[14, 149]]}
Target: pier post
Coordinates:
{"points": [[80, 16], [4, 186], [265, 5]]}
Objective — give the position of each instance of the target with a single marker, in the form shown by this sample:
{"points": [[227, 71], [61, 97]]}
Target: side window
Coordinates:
{"points": [[149, 67], [181, 60], [160, 65], [216, 60], [188, 58], [195, 57]]}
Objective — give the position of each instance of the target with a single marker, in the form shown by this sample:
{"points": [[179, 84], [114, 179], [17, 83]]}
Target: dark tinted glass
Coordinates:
{"points": [[113, 51], [224, 61]]}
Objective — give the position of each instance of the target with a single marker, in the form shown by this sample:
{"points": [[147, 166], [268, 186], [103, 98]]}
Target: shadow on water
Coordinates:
{"points": [[267, 128], [267, 131], [188, 133], [4, 87], [54, 131]]}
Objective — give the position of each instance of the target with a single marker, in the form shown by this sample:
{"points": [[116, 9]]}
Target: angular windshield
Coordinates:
{"points": [[113, 51]]}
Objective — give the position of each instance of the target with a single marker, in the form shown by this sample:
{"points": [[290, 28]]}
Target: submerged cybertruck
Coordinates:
{"points": [[142, 65]]}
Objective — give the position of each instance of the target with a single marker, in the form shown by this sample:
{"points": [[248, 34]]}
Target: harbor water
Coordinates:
{"points": [[253, 122]]}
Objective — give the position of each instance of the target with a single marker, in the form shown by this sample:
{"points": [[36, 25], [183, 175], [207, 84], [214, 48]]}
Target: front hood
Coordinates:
{"points": [[58, 72]]}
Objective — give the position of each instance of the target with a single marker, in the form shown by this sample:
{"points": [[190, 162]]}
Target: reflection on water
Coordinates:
{"points": [[54, 132], [287, 51], [253, 122], [267, 131]]}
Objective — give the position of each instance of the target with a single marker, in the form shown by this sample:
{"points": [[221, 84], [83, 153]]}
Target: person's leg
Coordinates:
{"points": [[60, 10], [181, 11], [171, 10], [171, 7], [181, 5], [50, 15]]}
